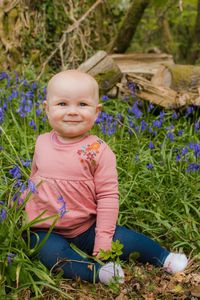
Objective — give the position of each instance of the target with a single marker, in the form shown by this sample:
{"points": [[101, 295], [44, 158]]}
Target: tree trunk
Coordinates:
{"points": [[194, 53], [181, 78], [128, 28]]}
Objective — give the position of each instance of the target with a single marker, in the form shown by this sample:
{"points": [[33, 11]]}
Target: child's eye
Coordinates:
{"points": [[83, 104], [62, 104]]}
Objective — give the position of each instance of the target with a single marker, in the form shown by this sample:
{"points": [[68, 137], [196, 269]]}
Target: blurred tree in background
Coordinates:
{"points": [[54, 34]]}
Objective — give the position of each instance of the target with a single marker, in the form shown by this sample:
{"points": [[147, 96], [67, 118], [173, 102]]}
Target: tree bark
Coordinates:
{"points": [[128, 28], [194, 53]]}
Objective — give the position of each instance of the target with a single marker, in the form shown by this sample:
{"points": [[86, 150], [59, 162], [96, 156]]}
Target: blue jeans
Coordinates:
{"points": [[57, 248]]}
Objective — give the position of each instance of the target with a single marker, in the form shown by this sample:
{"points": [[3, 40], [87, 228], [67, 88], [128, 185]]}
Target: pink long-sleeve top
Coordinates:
{"points": [[78, 182]]}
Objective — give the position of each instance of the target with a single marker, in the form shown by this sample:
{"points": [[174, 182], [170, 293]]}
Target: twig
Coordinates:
{"points": [[69, 30]]}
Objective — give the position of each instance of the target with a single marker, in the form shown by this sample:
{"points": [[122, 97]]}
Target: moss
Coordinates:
{"points": [[184, 76], [107, 80]]}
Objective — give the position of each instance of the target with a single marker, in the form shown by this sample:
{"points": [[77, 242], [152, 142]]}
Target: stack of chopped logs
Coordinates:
{"points": [[156, 77]]}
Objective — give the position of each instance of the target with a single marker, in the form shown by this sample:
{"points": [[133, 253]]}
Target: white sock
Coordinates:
{"points": [[109, 271], [175, 262]]}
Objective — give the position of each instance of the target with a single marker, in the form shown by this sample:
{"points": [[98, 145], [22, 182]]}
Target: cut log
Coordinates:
{"points": [[160, 95], [103, 69], [181, 78], [141, 63]]}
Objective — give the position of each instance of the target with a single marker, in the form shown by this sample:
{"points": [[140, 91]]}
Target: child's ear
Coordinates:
{"points": [[46, 106], [99, 108]]}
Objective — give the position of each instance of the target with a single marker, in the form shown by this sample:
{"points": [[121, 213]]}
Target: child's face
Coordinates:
{"points": [[72, 105]]}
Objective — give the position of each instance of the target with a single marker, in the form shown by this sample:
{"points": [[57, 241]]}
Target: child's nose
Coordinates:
{"points": [[72, 110]]}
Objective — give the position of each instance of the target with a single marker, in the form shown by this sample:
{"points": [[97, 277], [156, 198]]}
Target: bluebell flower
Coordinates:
{"points": [[189, 110], [170, 127], [180, 132], [196, 126], [32, 186], [150, 107], [178, 157], [196, 148], [131, 87], [1, 115], [170, 136], [10, 257], [162, 114], [135, 110], [193, 167], [3, 75], [143, 125], [34, 85], [3, 215], [38, 112], [184, 150], [15, 171], [32, 124], [149, 166], [105, 98], [44, 118], [15, 196], [151, 145], [157, 123], [174, 115], [119, 116], [26, 163], [5, 105], [22, 188]]}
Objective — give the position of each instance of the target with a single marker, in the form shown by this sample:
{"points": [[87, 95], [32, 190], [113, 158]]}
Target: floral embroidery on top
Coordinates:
{"points": [[89, 152]]}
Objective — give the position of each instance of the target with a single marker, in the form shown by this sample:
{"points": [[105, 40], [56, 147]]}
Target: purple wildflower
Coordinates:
{"points": [[157, 123], [151, 145], [178, 157], [105, 98], [150, 107], [184, 150], [1, 115], [149, 166], [38, 112], [131, 87], [3, 215], [26, 163], [15, 171], [162, 114], [174, 115], [180, 132], [143, 125], [193, 167], [10, 257], [170, 127], [189, 110], [170, 136], [196, 126], [32, 124], [135, 110], [32, 187]]}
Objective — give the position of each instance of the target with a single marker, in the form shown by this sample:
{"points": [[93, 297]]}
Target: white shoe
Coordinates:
{"points": [[175, 262], [110, 271]]}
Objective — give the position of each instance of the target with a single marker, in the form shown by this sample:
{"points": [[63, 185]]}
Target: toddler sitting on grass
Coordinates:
{"points": [[79, 181]]}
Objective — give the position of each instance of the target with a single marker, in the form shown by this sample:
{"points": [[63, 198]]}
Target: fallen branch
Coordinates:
{"points": [[69, 30]]}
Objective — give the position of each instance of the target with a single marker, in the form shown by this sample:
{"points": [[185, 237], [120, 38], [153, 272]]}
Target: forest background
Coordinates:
{"points": [[157, 150], [56, 34]]}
